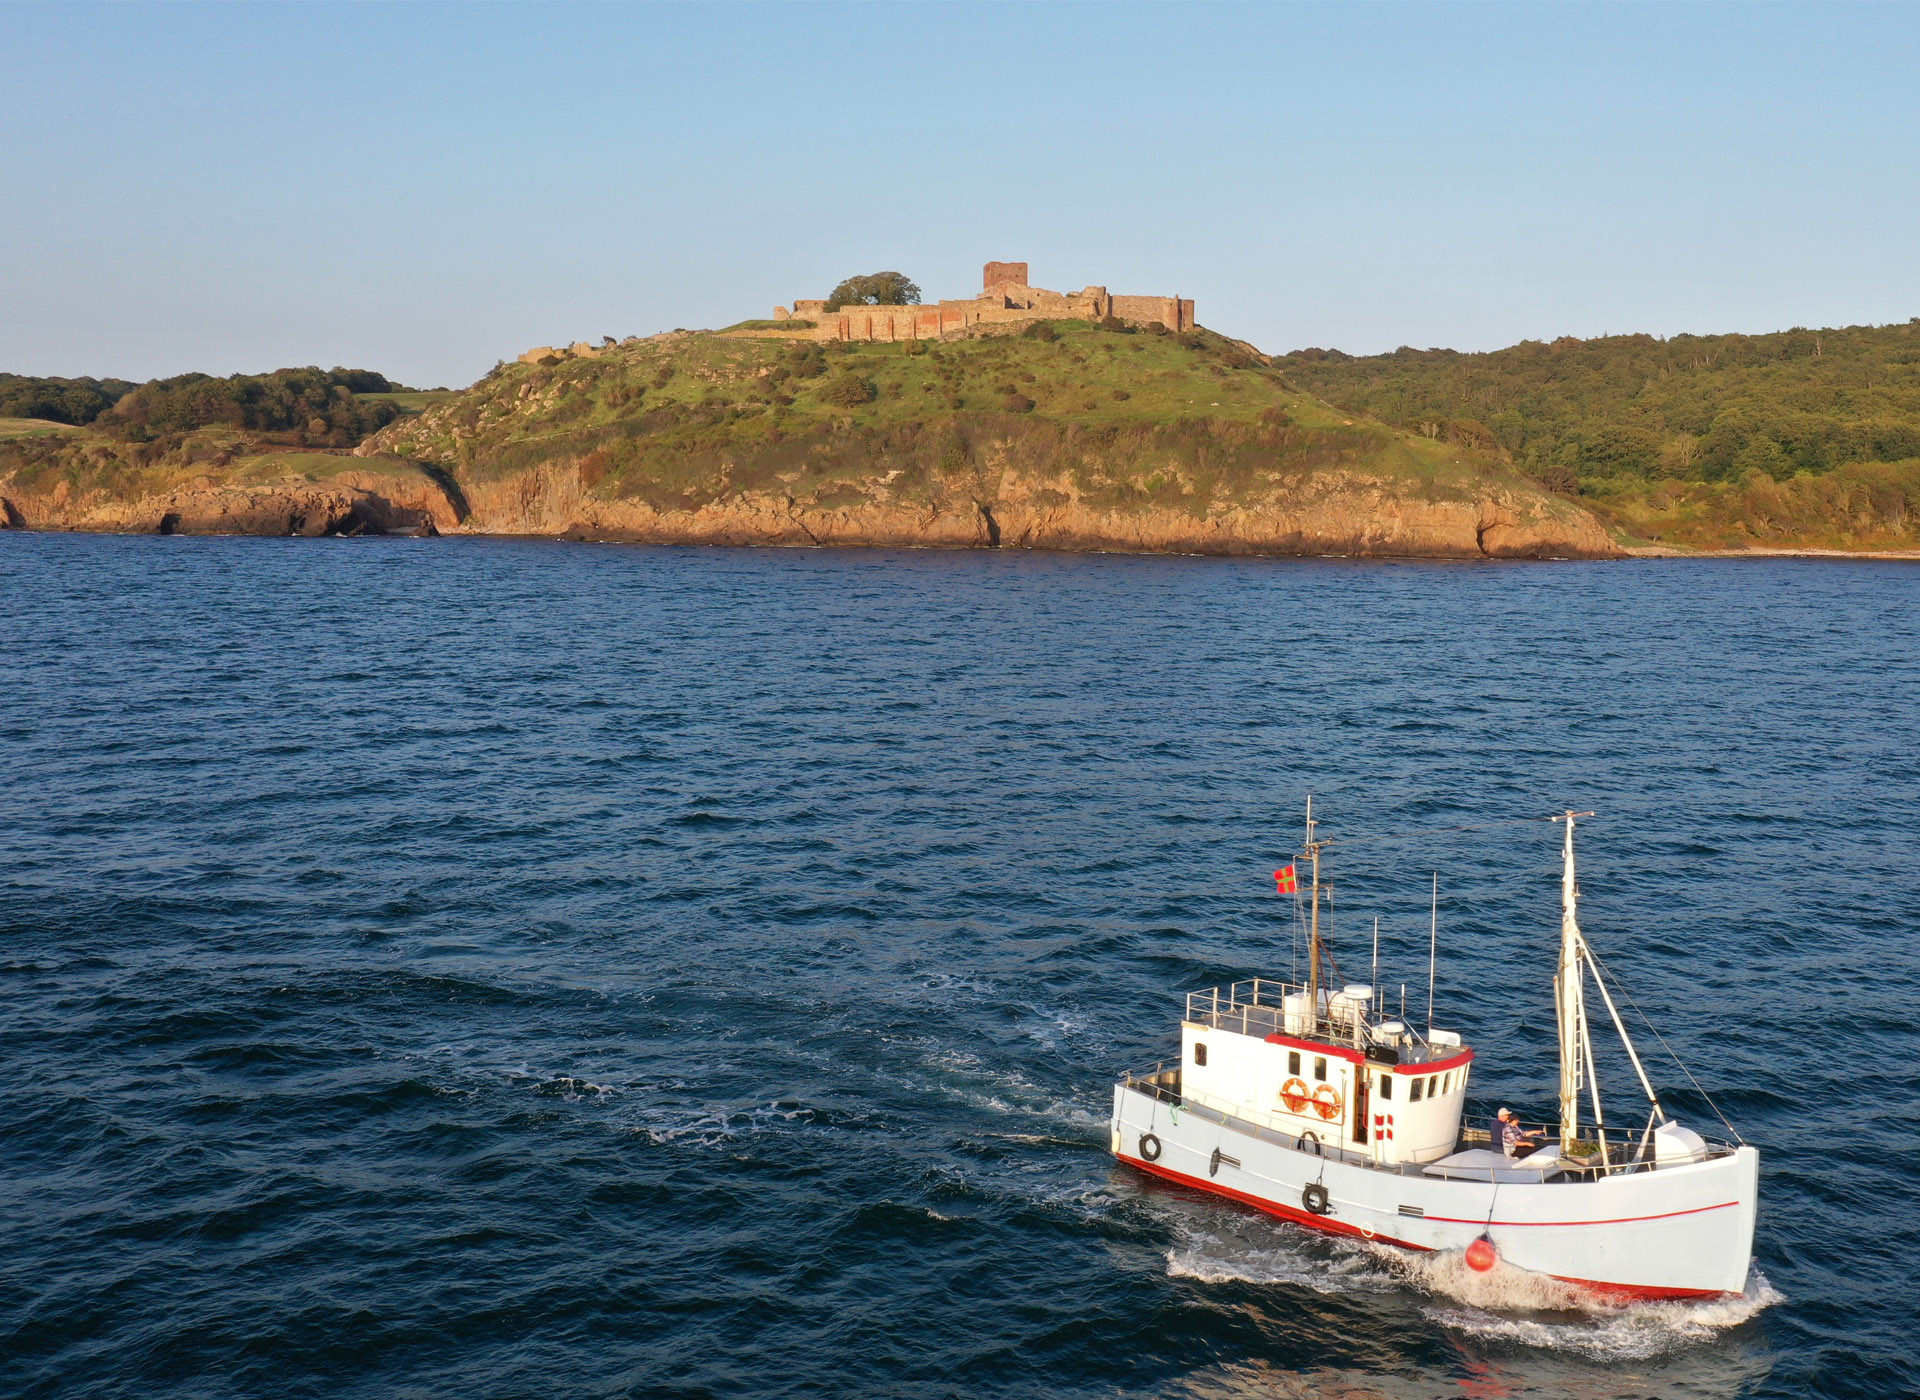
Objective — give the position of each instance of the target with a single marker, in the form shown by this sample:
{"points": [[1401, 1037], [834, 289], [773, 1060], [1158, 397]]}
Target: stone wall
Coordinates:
{"points": [[1006, 298], [1171, 312]]}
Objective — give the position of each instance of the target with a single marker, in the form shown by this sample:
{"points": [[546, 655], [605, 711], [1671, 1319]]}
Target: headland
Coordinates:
{"points": [[1015, 418]]}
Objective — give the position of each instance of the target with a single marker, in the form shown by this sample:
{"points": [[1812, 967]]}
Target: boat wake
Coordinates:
{"points": [[1504, 1304], [1509, 1304]]}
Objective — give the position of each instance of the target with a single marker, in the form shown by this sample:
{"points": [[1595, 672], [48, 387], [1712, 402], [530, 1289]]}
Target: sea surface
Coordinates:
{"points": [[469, 968]]}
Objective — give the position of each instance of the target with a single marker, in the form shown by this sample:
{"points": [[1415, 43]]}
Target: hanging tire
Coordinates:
{"points": [[1314, 1198], [1149, 1147]]}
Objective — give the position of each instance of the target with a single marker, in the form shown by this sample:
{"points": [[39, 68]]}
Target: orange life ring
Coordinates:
{"points": [[1326, 1102], [1294, 1095]]}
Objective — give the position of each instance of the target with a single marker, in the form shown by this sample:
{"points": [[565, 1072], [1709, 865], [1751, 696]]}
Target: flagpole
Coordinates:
{"points": [[1313, 924], [1433, 949]]}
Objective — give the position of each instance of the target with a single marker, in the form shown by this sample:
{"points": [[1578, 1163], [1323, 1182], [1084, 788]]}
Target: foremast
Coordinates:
{"points": [[1570, 1003]]}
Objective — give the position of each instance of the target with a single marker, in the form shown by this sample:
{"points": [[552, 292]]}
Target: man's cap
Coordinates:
{"points": [[1506, 1113]]}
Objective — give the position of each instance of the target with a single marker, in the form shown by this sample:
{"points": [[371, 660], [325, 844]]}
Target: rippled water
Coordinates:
{"points": [[468, 968]]}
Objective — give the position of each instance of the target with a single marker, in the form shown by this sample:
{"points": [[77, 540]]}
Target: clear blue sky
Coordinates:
{"points": [[424, 190]]}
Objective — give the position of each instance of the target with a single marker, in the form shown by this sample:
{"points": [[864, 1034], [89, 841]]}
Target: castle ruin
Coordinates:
{"points": [[1005, 298]]}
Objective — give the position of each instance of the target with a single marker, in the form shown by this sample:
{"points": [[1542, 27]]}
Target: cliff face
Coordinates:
{"points": [[352, 503], [1337, 514], [1079, 438]]}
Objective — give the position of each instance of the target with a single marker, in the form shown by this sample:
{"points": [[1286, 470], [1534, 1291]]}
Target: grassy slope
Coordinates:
{"points": [[412, 400], [11, 428], [37, 456], [1799, 438], [1131, 419]]}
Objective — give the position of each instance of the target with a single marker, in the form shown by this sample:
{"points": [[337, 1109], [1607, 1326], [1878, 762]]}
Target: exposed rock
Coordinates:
{"points": [[1340, 515], [351, 503]]}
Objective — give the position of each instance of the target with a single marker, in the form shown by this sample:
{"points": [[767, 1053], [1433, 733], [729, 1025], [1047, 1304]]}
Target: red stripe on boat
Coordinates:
{"points": [[1340, 1227]]}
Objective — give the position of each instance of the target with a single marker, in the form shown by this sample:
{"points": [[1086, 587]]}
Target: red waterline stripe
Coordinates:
{"points": [[1340, 1227], [1299, 1217], [1623, 1220]]}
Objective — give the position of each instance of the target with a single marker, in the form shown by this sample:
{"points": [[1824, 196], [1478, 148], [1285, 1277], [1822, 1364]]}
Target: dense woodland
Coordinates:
{"points": [[75, 401], [320, 406], [1579, 414]]}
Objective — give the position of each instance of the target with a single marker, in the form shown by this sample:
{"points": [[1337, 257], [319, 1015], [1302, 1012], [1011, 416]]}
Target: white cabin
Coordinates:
{"points": [[1342, 1079]]}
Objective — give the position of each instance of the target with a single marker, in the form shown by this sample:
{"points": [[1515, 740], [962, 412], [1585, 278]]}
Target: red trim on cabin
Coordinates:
{"points": [[1351, 1056], [1318, 1047], [1339, 1227], [1437, 1067]]}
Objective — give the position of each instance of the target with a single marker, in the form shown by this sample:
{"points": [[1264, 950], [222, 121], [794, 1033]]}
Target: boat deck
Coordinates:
{"points": [[1470, 1161]]}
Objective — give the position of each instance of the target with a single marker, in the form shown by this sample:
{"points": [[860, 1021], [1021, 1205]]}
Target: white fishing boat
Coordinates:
{"points": [[1305, 1100]]}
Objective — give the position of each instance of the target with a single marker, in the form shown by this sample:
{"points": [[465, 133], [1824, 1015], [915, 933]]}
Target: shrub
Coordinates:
{"points": [[1041, 330], [1017, 403], [1121, 396], [848, 389]]}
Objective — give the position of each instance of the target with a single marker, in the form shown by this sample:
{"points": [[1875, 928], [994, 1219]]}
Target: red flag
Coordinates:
{"points": [[1284, 879]]}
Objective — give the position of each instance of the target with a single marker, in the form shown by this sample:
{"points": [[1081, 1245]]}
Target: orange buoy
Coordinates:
{"points": [[1481, 1255]]}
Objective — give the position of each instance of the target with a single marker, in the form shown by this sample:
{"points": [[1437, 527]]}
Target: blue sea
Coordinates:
{"points": [[488, 968]]}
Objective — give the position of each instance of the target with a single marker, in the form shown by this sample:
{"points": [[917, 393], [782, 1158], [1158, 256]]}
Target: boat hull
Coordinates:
{"points": [[1678, 1232]]}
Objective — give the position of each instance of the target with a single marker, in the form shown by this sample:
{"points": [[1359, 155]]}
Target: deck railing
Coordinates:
{"points": [[1627, 1149], [1257, 1006]]}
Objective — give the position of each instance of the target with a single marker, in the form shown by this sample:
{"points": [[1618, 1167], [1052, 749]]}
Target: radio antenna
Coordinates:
{"points": [[1376, 952], [1433, 949]]}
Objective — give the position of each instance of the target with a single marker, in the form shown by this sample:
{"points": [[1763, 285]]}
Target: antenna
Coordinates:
{"points": [[1313, 923], [1376, 952], [1433, 949]]}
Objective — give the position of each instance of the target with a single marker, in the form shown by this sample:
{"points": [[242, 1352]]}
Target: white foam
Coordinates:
{"points": [[1504, 1304], [1508, 1310]]}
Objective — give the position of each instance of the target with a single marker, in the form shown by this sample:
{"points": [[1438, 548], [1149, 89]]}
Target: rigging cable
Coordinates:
{"points": [[1652, 1030]]}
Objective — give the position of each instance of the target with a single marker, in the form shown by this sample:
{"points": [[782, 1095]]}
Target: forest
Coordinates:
{"points": [[1576, 414], [321, 405]]}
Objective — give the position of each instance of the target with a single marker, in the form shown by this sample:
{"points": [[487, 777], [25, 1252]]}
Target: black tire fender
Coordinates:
{"points": [[1314, 1198], [1149, 1148]]}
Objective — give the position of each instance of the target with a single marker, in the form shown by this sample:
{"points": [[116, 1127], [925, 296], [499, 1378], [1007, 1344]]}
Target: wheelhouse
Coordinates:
{"points": [[1335, 1075]]}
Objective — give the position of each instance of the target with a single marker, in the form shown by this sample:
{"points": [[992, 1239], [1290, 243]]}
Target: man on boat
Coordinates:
{"points": [[1511, 1139]]}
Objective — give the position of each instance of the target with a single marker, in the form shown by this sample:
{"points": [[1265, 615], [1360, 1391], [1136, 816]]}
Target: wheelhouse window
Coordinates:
{"points": [[1430, 1083], [1199, 1053], [1386, 1086], [1293, 1062], [1320, 1068], [1417, 1082]]}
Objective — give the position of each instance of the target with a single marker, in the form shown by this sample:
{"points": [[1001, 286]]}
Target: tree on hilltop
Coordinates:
{"points": [[875, 289]]}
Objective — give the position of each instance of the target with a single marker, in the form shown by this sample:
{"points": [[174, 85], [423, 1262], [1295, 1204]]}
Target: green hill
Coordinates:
{"points": [[1802, 437], [1068, 434]]}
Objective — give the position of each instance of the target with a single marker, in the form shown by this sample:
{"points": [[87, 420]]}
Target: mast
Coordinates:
{"points": [[1313, 925], [1569, 999]]}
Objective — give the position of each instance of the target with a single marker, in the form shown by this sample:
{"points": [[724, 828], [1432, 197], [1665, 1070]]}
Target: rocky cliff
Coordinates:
{"points": [[1073, 437]]}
